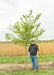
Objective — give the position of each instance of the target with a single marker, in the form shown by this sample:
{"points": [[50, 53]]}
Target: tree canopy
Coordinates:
{"points": [[26, 29]]}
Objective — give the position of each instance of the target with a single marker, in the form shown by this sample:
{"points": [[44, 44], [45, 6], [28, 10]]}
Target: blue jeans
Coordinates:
{"points": [[34, 61]]}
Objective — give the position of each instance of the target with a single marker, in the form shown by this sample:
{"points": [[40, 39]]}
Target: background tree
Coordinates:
{"points": [[26, 29]]}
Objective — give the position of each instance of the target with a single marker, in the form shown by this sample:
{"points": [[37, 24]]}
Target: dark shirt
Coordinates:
{"points": [[35, 48]]}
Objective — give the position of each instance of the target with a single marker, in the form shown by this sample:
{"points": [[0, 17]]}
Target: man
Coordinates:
{"points": [[33, 52]]}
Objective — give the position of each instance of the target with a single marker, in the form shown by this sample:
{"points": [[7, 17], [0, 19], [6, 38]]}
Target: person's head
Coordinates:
{"points": [[32, 42]]}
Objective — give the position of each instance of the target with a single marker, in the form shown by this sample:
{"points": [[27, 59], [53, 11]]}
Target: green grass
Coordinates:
{"points": [[29, 72], [21, 59]]}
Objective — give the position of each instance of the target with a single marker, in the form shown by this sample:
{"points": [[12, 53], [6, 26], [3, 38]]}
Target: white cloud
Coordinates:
{"points": [[11, 11]]}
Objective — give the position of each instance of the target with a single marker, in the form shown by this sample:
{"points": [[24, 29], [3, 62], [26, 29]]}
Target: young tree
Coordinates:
{"points": [[25, 29]]}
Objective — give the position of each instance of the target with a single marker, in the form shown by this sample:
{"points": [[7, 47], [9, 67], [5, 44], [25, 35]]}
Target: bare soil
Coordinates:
{"points": [[24, 66]]}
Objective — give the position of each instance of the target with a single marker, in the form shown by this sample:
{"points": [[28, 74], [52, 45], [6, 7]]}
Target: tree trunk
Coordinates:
{"points": [[26, 52]]}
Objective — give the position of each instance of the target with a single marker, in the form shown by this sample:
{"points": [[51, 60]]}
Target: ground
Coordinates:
{"points": [[23, 66], [18, 66]]}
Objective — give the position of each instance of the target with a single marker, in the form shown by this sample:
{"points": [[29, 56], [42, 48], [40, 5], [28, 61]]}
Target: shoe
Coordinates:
{"points": [[37, 70], [33, 68]]}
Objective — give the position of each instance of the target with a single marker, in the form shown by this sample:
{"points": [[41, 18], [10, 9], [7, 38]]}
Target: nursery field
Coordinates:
{"points": [[21, 59], [10, 49]]}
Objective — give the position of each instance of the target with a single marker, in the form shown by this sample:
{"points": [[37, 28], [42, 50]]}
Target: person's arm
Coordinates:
{"points": [[37, 54], [29, 51], [37, 51]]}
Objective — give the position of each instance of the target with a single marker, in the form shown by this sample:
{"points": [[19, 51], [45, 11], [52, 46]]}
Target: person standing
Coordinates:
{"points": [[33, 52]]}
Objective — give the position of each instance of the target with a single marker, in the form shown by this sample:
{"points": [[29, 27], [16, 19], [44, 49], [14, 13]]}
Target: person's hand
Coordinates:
{"points": [[37, 55], [28, 55]]}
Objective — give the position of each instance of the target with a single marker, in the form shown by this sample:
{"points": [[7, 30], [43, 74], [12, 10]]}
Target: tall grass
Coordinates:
{"points": [[10, 49]]}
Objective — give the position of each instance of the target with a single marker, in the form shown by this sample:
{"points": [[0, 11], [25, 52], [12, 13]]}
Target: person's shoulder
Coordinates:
{"points": [[36, 45]]}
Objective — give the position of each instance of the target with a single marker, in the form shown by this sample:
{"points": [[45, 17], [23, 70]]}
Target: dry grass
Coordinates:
{"points": [[9, 49]]}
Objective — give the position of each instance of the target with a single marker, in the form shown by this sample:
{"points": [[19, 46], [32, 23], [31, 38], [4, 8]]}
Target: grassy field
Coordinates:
{"points": [[10, 49], [21, 59], [29, 72]]}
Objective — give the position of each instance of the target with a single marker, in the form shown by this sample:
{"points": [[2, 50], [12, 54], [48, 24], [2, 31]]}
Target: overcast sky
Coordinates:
{"points": [[11, 11]]}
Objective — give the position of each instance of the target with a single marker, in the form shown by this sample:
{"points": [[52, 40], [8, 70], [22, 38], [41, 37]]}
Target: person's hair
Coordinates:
{"points": [[32, 41]]}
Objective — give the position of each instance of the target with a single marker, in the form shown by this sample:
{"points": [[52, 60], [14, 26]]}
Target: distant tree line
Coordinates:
{"points": [[39, 41]]}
